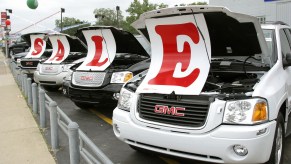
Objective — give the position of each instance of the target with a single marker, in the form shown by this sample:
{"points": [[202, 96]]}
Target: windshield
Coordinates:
{"points": [[270, 39]]}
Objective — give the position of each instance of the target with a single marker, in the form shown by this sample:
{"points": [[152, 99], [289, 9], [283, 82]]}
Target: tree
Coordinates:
{"points": [[135, 9], [67, 22], [198, 3], [108, 17]]}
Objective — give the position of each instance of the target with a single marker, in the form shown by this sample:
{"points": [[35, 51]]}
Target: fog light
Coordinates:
{"points": [[116, 96], [240, 150]]}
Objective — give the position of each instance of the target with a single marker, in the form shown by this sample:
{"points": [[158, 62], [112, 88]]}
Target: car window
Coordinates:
{"points": [[271, 40], [288, 33], [285, 47]]}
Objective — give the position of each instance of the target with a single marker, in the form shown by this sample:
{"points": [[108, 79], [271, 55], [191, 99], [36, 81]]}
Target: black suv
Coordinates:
{"points": [[92, 85]]}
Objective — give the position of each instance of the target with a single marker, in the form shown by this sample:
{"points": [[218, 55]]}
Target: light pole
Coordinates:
{"points": [[7, 32], [62, 11], [99, 16], [117, 13]]}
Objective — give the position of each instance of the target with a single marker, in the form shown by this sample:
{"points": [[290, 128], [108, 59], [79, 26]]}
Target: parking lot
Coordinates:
{"points": [[96, 123]]}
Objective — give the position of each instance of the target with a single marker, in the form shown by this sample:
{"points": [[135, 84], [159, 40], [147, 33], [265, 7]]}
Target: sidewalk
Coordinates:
{"points": [[20, 137]]}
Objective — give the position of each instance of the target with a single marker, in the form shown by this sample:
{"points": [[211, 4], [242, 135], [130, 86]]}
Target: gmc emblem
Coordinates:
{"points": [[48, 68], [161, 109], [29, 63], [87, 78]]}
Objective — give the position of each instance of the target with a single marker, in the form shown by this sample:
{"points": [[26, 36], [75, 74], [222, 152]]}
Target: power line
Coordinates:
{"points": [[37, 22]]}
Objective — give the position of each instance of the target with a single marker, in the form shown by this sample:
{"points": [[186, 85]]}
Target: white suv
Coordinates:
{"points": [[215, 91]]}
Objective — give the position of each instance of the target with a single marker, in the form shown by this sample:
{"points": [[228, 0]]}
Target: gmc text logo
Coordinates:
{"points": [[87, 78], [175, 111], [48, 68]]}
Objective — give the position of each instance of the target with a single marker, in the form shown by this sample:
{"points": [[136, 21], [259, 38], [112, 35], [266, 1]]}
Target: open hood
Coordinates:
{"points": [[125, 41], [103, 44], [184, 39], [62, 46], [27, 39], [37, 45]]}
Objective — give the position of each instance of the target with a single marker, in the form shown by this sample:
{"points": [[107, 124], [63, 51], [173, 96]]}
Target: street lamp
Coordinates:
{"points": [[62, 11], [117, 12], [99, 16]]}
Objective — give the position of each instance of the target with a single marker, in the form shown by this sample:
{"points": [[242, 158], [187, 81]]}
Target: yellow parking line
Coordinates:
{"points": [[109, 121], [169, 161], [102, 116]]}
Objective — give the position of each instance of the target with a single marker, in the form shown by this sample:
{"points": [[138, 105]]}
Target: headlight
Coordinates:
{"points": [[18, 61], [124, 100], [249, 111], [66, 67], [121, 77]]}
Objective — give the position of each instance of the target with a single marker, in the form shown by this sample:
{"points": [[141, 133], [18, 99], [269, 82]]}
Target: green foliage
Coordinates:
{"points": [[135, 9], [67, 21], [108, 17], [198, 3]]}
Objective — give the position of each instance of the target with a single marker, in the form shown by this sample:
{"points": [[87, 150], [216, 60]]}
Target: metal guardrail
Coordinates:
{"points": [[79, 144]]}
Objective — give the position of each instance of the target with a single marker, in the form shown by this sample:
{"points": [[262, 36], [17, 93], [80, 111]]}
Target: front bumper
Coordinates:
{"points": [[49, 79], [213, 146], [93, 95]]}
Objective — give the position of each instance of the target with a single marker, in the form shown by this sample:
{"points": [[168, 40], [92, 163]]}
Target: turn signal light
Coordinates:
{"points": [[260, 112], [127, 77]]}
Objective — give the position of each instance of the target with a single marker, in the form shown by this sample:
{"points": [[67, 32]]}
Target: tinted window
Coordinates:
{"points": [[271, 40], [285, 47]]}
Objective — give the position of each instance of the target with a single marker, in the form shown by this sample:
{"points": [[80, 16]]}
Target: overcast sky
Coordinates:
{"points": [[23, 16]]}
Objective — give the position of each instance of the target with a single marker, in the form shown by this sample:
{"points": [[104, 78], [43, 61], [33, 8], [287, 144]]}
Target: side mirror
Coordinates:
{"points": [[287, 61]]}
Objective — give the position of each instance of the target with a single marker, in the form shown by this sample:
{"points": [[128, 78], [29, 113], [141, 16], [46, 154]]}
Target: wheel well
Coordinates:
{"points": [[283, 109]]}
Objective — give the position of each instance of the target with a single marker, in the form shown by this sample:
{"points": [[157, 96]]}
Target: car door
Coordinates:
{"points": [[285, 37]]}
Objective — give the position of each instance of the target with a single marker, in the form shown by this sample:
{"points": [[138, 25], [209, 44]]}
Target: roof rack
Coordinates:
{"points": [[276, 23]]}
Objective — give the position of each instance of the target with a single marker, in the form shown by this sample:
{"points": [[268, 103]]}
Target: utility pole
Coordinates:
{"points": [[62, 11], [117, 13], [7, 29]]}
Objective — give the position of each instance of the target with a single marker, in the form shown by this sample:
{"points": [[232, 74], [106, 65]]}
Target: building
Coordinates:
{"points": [[264, 10]]}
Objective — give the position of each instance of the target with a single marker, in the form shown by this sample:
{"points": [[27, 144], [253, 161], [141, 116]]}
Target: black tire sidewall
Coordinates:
{"points": [[280, 120]]}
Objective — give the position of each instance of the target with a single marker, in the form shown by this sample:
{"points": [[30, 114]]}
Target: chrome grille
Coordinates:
{"points": [[91, 79], [50, 69], [194, 113]]}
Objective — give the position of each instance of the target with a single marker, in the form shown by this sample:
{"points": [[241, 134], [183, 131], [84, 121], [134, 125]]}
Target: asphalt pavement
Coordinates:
{"points": [[20, 138]]}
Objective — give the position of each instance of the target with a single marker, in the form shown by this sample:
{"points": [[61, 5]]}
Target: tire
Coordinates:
{"points": [[51, 88], [11, 53], [277, 153], [83, 105]]}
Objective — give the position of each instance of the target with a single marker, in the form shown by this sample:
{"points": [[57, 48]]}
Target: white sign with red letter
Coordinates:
{"points": [[37, 47], [101, 50], [61, 49], [180, 60]]}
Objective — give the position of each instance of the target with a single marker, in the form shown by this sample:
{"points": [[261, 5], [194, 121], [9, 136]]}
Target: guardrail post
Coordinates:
{"points": [[54, 125], [73, 128], [22, 81], [29, 91], [41, 100], [25, 84], [34, 97]]}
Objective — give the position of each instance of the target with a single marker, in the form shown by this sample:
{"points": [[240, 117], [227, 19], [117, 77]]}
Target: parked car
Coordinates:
{"points": [[215, 91], [114, 56], [18, 46], [39, 50], [50, 73]]}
